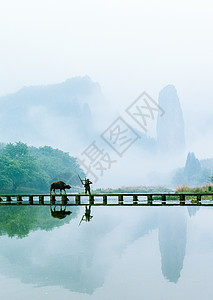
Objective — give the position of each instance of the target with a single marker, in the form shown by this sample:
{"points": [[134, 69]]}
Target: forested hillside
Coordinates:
{"points": [[25, 169]]}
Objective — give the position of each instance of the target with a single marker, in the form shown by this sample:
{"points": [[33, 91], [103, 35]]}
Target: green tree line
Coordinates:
{"points": [[27, 169]]}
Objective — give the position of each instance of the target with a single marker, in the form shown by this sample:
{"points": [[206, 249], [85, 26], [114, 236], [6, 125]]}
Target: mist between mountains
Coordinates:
{"points": [[118, 138]]}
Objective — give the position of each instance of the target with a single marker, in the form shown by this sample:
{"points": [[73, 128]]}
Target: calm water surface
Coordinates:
{"points": [[123, 253]]}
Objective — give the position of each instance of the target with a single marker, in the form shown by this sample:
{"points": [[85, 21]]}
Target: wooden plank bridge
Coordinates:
{"points": [[137, 199]]}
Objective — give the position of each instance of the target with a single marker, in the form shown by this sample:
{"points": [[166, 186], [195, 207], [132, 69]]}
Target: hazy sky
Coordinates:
{"points": [[126, 46]]}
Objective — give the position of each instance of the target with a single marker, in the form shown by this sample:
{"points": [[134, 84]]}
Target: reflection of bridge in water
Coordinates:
{"points": [[140, 199]]}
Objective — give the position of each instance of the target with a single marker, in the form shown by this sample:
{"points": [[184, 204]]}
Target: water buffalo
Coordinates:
{"points": [[59, 185]]}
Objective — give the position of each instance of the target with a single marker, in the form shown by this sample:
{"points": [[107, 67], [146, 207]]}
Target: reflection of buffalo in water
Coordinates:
{"points": [[59, 185], [59, 214]]}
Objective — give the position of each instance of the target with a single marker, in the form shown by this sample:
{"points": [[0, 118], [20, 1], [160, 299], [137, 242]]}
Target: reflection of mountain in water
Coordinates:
{"points": [[172, 242], [77, 258], [193, 210]]}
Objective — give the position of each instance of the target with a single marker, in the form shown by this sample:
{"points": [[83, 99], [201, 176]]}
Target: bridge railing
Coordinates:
{"points": [[142, 199]]}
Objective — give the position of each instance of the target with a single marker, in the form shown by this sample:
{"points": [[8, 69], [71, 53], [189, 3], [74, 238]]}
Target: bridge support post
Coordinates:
{"points": [[198, 199], [77, 200], [163, 199], [120, 199], [104, 199], [8, 198], [30, 199], [182, 199], [64, 199], [41, 199], [52, 199], [91, 199], [135, 199], [149, 198], [19, 199]]}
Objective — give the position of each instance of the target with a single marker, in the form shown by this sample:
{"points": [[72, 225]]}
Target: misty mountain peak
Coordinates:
{"points": [[170, 127], [40, 113], [168, 99]]}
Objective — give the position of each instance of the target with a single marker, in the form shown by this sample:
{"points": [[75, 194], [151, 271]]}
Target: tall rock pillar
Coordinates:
{"points": [[170, 127]]}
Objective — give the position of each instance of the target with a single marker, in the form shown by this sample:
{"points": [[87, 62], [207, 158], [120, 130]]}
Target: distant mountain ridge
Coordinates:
{"points": [[64, 116], [56, 114]]}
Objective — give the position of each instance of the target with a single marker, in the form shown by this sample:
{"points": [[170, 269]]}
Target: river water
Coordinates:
{"points": [[125, 253]]}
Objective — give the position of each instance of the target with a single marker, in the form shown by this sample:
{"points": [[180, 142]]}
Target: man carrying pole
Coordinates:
{"points": [[86, 183]]}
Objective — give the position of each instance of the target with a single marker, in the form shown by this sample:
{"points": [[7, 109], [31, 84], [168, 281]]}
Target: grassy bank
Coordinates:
{"points": [[133, 189], [207, 188]]}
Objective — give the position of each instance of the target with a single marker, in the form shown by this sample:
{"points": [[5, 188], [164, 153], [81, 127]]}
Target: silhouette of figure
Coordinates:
{"points": [[87, 215], [59, 214], [86, 184], [59, 185]]}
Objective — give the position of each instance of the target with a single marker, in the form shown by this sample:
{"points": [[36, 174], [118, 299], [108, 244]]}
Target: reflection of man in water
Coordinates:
{"points": [[86, 184], [87, 215]]}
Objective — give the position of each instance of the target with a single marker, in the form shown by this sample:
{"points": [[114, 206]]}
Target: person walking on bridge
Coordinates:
{"points": [[86, 183]]}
